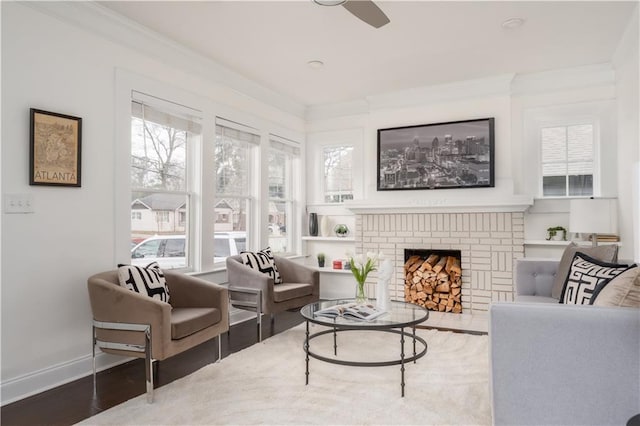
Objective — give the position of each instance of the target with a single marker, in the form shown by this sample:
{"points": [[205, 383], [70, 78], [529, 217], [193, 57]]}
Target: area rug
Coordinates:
{"points": [[265, 384]]}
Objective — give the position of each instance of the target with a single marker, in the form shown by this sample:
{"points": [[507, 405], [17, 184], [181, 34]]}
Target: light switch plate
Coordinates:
{"points": [[18, 203]]}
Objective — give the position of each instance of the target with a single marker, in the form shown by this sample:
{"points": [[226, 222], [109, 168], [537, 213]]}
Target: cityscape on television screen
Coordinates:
{"points": [[455, 155]]}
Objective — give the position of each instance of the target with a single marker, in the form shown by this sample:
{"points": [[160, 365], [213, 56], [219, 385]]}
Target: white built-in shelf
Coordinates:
{"points": [[546, 243], [564, 243], [334, 271], [338, 239]]}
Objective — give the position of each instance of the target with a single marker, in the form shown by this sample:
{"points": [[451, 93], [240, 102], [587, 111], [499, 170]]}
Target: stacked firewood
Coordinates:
{"points": [[434, 283]]}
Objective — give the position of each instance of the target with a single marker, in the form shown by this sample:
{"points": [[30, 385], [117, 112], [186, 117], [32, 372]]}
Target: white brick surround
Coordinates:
{"points": [[489, 243]]}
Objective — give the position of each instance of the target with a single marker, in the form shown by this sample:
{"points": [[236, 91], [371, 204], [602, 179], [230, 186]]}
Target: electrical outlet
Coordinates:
{"points": [[18, 203]]}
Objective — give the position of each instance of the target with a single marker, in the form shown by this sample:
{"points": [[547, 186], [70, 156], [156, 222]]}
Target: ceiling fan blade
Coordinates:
{"points": [[367, 11]]}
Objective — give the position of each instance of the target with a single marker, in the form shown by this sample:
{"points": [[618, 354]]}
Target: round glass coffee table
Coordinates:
{"points": [[396, 319]]}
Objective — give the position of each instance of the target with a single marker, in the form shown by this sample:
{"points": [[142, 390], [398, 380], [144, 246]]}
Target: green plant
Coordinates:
{"points": [[553, 231], [320, 257], [341, 230]]}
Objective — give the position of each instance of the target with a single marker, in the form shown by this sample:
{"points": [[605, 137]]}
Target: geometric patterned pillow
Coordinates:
{"points": [[585, 276], [148, 280], [262, 261]]}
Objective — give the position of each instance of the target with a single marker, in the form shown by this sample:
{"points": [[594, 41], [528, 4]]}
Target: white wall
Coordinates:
{"points": [[625, 62], [47, 256], [512, 100]]}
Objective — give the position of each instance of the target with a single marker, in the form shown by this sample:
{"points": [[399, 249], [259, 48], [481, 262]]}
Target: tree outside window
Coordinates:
{"points": [[160, 195], [338, 174]]}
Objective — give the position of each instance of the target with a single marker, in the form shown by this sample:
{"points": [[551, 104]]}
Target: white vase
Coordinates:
{"points": [[325, 226], [383, 301]]}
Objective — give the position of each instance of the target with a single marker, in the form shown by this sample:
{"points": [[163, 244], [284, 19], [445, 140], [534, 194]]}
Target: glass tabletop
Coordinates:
{"points": [[399, 314]]}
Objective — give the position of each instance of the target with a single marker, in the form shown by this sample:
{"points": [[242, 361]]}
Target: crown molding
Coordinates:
{"points": [[333, 110], [564, 79], [457, 90], [627, 49], [98, 19]]}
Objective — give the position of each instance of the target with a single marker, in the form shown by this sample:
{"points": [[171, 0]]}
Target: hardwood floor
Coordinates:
{"points": [[75, 401]]}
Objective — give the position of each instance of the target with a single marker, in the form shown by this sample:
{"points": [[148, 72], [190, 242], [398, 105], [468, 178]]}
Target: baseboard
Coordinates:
{"points": [[21, 387]]}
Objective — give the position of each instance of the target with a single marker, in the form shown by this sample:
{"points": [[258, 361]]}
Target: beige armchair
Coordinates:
{"points": [[132, 324], [254, 290]]}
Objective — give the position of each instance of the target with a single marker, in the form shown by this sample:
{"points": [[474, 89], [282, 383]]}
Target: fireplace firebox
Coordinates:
{"points": [[433, 279]]}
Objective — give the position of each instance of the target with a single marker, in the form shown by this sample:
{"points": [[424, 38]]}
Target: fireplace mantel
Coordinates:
{"points": [[443, 205]]}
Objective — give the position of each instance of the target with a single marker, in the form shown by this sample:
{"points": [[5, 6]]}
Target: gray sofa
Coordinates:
{"points": [[555, 364]]}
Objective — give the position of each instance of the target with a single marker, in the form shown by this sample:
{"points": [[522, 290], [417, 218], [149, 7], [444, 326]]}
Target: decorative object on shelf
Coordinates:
{"points": [[415, 147], [337, 264], [341, 230], [54, 149], [320, 260], [313, 224], [593, 216], [552, 233], [346, 264], [325, 226], [383, 299], [361, 265]]}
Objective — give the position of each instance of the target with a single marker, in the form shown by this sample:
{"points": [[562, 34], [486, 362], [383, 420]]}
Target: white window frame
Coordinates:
{"points": [[202, 171], [251, 198], [566, 123], [601, 114], [292, 187], [315, 162]]}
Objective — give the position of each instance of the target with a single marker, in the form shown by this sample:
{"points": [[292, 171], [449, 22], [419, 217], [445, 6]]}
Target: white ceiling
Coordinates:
{"points": [[426, 43]]}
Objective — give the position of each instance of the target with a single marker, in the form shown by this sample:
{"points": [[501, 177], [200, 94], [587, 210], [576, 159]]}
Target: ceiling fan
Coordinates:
{"points": [[365, 10]]}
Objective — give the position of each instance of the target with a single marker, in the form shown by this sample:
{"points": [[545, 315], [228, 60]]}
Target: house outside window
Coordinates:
{"points": [[161, 137], [235, 162], [567, 160], [338, 173], [284, 158]]}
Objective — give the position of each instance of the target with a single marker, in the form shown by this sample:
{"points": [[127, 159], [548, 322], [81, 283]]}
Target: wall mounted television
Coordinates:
{"points": [[455, 154]]}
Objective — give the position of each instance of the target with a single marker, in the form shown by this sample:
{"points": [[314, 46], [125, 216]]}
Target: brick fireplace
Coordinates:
{"points": [[488, 243]]}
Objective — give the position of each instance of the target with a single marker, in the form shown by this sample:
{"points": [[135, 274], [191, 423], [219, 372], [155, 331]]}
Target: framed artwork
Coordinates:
{"points": [[456, 154], [54, 149]]}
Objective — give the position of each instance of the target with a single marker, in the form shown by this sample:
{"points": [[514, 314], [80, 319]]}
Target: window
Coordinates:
{"points": [[162, 217], [162, 134], [567, 160], [338, 174], [283, 162], [235, 162]]}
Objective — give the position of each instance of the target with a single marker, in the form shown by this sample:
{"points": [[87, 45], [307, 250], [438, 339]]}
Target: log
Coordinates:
{"points": [[441, 263], [443, 288], [426, 266], [455, 267], [413, 263], [430, 304], [457, 308], [449, 264]]}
